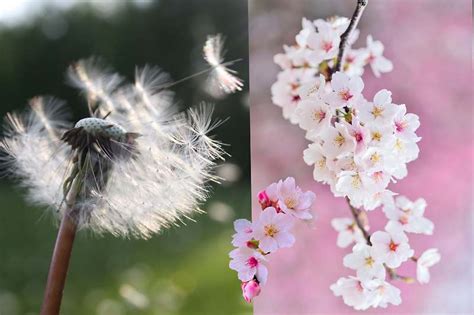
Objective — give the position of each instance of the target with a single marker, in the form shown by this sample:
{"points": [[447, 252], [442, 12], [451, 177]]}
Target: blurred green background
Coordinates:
{"points": [[184, 270]]}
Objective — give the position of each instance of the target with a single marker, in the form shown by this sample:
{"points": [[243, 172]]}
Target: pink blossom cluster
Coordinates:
{"points": [[314, 52], [358, 147], [376, 257], [282, 204]]}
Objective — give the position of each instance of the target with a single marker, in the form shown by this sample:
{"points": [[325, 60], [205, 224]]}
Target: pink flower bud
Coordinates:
{"points": [[252, 244], [263, 199], [250, 289]]}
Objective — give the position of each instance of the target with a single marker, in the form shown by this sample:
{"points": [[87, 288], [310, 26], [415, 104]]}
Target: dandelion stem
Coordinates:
{"points": [[59, 266], [61, 255], [361, 4]]}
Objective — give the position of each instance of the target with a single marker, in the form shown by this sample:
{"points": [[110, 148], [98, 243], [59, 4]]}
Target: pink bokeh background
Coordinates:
{"points": [[429, 42]]}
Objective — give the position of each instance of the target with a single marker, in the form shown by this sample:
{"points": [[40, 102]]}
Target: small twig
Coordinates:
{"points": [[355, 213], [361, 4]]}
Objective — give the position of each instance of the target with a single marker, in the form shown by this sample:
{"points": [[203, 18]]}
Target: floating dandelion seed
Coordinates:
{"points": [[133, 168], [221, 79]]}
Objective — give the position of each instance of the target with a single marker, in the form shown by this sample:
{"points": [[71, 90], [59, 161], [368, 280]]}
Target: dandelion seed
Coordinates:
{"points": [[221, 80]]}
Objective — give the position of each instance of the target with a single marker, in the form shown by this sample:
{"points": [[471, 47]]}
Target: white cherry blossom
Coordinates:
{"points": [[353, 292], [292, 200], [314, 154], [313, 115], [375, 58], [383, 293], [249, 263], [324, 42], [409, 215], [349, 232], [272, 230], [346, 91], [244, 233], [338, 141], [365, 262], [429, 258], [392, 247], [379, 112]]}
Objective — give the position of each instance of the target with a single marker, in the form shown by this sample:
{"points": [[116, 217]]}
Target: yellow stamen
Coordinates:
{"points": [[270, 230], [377, 111]]}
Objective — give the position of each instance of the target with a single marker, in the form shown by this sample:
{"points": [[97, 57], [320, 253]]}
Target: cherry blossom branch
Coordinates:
{"points": [[361, 4], [356, 213]]}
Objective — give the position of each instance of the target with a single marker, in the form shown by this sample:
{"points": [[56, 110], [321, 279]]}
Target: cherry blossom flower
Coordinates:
{"points": [[380, 135], [359, 133], [269, 197], [392, 247], [313, 115], [244, 233], [383, 293], [338, 141], [324, 42], [365, 262], [346, 91], [314, 154], [429, 258], [250, 290], [375, 58], [349, 232], [406, 125], [292, 200], [249, 263], [354, 62], [285, 92], [353, 292], [409, 215], [307, 29], [272, 230], [379, 112]]}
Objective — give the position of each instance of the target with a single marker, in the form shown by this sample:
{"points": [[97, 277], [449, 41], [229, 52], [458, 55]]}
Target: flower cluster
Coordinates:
{"points": [[358, 146], [282, 204], [376, 256], [314, 53]]}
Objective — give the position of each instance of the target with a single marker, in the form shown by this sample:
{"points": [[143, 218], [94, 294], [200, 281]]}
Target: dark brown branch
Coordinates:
{"points": [[361, 4], [59, 266], [355, 213]]}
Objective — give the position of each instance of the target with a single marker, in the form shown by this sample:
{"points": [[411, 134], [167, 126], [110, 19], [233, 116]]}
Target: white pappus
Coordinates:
{"points": [[144, 166]]}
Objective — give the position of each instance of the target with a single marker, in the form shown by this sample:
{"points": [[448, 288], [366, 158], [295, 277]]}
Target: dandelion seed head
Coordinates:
{"points": [[97, 126], [144, 166]]}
